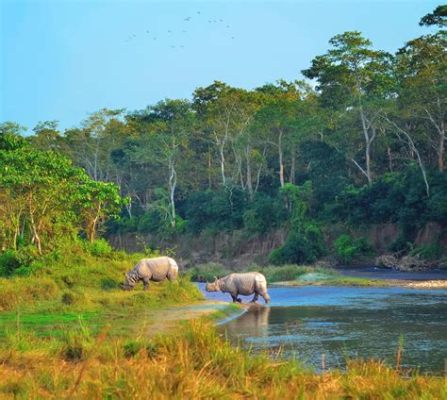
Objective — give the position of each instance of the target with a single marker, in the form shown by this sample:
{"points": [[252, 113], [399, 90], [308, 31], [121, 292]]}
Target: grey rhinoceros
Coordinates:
{"points": [[151, 269], [241, 283]]}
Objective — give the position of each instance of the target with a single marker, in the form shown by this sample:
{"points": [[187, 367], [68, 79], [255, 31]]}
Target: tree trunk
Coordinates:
{"points": [[222, 163], [248, 171], [292, 168], [280, 157], [209, 170], [369, 138], [441, 152], [35, 235], [390, 159], [172, 186]]}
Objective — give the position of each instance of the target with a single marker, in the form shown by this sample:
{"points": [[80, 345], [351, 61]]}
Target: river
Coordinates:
{"points": [[312, 323]]}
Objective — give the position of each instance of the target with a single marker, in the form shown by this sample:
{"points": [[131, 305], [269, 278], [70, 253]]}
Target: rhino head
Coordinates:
{"points": [[128, 283], [214, 286]]}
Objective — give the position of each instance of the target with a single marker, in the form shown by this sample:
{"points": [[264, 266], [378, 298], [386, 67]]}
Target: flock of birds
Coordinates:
{"points": [[151, 34]]}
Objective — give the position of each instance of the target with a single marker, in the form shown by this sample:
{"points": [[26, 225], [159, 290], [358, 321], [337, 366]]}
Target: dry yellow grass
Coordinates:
{"points": [[195, 363]]}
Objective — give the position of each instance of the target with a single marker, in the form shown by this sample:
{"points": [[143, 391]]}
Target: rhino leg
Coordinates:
{"points": [[235, 298], [255, 298], [266, 297], [146, 283]]}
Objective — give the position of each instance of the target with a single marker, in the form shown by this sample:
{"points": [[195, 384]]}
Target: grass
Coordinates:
{"points": [[192, 363]]}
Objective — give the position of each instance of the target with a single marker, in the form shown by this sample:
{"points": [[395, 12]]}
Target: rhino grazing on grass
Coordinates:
{"points": [[151, 269], [241, 283]]}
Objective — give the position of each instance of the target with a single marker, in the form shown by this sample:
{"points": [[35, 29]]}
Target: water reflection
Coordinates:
{"points": [[348, 323], [254, 322]]}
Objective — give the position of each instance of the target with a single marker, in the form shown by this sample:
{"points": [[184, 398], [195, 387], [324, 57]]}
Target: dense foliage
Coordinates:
{"points": [[45, 199], [363, 145]]}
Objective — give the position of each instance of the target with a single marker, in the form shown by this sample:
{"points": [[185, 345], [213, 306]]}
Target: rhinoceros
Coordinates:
{"points": [[241, 283], [151, 269]]}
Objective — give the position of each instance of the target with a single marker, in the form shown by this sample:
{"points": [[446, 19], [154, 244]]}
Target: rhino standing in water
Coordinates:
{"points": [[241, 283], [151, 269]]}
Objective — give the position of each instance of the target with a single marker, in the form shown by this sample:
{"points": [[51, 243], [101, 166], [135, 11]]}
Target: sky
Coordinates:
{"points": [[63, 59]]}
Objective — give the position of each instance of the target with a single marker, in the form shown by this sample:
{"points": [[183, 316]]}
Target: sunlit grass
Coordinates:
{"points": [[194, 363]]}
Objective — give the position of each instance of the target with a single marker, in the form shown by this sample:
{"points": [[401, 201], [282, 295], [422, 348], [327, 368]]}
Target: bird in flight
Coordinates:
{"points": [[187, 19]]}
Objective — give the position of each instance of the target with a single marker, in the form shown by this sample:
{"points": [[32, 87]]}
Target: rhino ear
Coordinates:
{"points": [[215, 278]]}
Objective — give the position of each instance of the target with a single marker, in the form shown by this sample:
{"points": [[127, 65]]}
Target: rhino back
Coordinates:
{"points": [[157, 268], [245, 283]]}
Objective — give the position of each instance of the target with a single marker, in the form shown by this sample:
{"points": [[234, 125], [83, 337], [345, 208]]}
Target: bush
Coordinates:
{"points": [[304, 244], [12, 261], [429, 252], [99, 248], [255, 220], [215, 211], [9, 262], [347, 248]]}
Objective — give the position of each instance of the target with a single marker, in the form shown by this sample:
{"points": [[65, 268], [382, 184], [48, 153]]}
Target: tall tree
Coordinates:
{"points": [[422, 71], [354, 79], [166, 127]]}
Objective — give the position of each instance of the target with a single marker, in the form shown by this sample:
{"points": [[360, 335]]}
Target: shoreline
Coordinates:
{"points": [[362, 282]]}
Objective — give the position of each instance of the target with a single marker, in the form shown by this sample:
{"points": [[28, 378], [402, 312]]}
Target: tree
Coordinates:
{"points": [[437, 17], [354, 80], [97, 201], [47, 136], [10, 136], [422, 70], [43, 197], [91, 145], [166, 128]]}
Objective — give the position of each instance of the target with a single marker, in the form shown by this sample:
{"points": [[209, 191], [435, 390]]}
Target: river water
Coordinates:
{"points": [[337, 323]]}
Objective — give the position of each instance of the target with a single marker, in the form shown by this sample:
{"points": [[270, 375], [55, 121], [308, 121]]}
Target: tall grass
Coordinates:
{"points": [[194, 363]]}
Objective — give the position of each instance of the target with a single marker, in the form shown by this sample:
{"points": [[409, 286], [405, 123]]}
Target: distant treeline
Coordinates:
{"points": [[361, 142]]}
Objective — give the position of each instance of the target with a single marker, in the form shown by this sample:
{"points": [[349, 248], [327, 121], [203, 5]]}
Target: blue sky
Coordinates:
{"points": [[61, 59]]}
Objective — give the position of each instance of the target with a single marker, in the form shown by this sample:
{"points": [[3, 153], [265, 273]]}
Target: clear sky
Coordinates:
{"points": [[62, 59]]}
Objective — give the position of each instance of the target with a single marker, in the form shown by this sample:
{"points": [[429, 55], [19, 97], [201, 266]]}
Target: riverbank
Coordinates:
{"points": [[194, 362], [69, 332], [363, 282]]}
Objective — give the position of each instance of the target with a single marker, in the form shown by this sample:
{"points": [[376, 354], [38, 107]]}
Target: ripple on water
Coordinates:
{"points": [[347, 322]]}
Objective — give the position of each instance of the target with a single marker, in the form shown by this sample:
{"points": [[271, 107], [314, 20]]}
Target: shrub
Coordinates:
{"points": [[255, 220], [428, 252], [9, 262], [13, 260], [347, 248], [304, 244], [99, 248]]}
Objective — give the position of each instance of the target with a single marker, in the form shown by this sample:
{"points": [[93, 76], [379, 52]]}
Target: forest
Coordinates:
{"points": [[357, 146]]}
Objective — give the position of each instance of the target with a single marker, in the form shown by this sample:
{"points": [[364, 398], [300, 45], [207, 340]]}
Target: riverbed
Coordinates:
{"points": [[323, 326]]}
